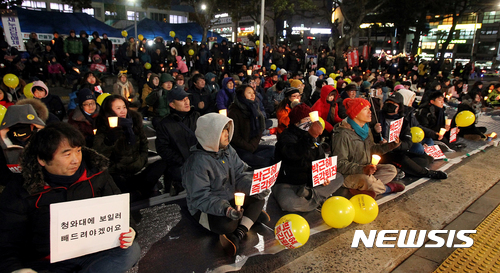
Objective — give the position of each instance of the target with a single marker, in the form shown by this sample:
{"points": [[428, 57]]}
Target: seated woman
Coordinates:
{"points": [[471, 102], [126, 145], [327, 107], [152, 85], [89, 81], [292, 98], [297, 148], [84, 116], [124, 88], [53, 102], [249, 123], [225, 96]]}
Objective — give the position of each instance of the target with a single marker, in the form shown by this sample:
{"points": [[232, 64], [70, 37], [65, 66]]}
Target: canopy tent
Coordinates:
{"points": [[151, 29], [51, 21]]}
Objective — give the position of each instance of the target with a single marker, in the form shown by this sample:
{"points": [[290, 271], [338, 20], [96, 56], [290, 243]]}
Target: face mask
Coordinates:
{"points": [[389, 108], [305, 126]]}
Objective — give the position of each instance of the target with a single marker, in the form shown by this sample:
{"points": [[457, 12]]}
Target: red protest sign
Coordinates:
{"points": [[453, 134], [435, 152], [264, 178], [349, 59], [355, 57], [395, 129], [323, 169], [284, 235]]}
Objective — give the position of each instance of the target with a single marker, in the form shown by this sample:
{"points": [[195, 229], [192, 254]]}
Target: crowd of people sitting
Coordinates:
{"points": [[209, 123]]}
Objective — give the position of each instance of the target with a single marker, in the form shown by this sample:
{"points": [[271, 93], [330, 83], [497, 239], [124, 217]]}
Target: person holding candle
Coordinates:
{"points": [[292, 98], [124, 87], [297, 148], [432, 116], [249, 123], [353, 144], [124, 143], [84, 116], [471, 102], [212, 175]]}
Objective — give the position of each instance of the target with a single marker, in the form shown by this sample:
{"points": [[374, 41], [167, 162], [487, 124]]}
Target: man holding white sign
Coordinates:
{"points": [[56, 168], [297, 148]]}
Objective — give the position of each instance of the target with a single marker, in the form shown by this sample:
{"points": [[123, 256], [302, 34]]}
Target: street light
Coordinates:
{"points": [[135, 29], [203, 6]]}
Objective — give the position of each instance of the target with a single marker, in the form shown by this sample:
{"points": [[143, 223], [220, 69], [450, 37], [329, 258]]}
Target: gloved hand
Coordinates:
{"points": [[316, 129], [24, 270], [127, 238], [369, 169], [233, 214], [263, 195]]}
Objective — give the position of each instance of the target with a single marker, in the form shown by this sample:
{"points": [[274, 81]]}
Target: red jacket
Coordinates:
{"points": [[323, 107]]}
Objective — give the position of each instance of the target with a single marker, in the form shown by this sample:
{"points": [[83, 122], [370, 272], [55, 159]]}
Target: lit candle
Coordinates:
{"points": [[492, 135], [249, 72], [448, 121], [223, 112], [95, 131], [113, 122], [260, 73], [222, 67], [129, 99], [239, 199], [485, 97], [442, 131], [375, 159], [314, 116]]}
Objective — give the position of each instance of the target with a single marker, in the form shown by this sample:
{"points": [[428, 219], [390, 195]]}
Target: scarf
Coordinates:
{"points": [[62, 180], [124, 89], [127, 124], [251, 110], [361, 131]]}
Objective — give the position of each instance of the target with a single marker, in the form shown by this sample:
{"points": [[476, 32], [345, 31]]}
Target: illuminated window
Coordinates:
{"points": [[468, 19], [449, 47], [448, 20], [489, 31], [428, 45], [160, 17], [177, 19], [130, 15], [89, 11], [32, 5], [491, 17], [110, 13], [61, 7]]}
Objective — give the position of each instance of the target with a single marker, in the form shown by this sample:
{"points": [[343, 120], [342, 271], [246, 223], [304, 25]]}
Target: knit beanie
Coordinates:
{"points": [[299, 112], [85, 94], [354, 106], [295, 83], [399, 86], [290, 91]]}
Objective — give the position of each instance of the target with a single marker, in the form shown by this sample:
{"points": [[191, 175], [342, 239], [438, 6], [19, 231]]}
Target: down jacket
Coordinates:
{"points": [[324, 107]]}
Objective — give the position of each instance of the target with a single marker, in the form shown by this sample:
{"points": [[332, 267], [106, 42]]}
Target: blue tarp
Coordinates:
{"points": [[151, 29], [50, 21]]}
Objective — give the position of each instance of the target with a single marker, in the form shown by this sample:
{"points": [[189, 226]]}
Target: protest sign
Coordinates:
{"points": [[323, 169], [12, 29], [453, 134], [435, 152], [264, 178], [87, 226], [284, 235], [395, 129]]}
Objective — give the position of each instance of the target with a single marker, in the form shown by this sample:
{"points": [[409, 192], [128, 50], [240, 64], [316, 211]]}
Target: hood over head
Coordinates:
{"points": [[209, 129], [40, 84], [326, 90], [312, 81], [407, 95]]}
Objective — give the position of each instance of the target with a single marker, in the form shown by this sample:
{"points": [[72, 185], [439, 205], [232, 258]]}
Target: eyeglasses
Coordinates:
{"points": [[90, 104]]}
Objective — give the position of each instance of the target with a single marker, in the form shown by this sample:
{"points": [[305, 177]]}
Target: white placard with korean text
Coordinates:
{"points": [[453, 134], [435, 152], [264, 178], [78, 228], [284, 235], [395, 129], [323, 169], [12, 29]]}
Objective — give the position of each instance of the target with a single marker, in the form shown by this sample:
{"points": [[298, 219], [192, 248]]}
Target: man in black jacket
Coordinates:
{"points": [[175, 136], [199, 96], [56, 168], [432, 116]]}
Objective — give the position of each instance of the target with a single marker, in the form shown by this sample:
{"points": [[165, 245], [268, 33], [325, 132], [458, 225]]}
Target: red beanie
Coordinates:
{"points": [[299, 112], [354, 106]]}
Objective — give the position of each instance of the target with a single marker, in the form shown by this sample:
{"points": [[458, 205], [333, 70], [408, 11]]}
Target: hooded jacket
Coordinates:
{"points": [[353, 154], [148, 89], [324, 108], [214, 175], [25, 208], [79, 121], [225, 96], [242, 128], [213, 87]]}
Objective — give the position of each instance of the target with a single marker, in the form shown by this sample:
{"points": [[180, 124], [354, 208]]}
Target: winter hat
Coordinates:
{"points": [[165, 77], [366, 84], [396, 97], [40, 84], [122, 73], [85, 94], [299, 112], [399, 86], [176, 94], [354, 106], [282, 72], [330, 81], [20, 114], [290, 91], [295, 83], [319, 73], [356, 79], [407, 95]]}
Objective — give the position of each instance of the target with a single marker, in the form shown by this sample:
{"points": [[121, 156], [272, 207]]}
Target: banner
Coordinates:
{"points": [[12, 29], [349, 60], [435, 152], [355, 57], [78, 228], [365, 52], [323, 169], [395, 129], [264, 178], [453, 134]]}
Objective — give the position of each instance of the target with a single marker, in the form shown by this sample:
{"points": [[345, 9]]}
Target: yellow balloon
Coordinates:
{"points": [[172, 33], [273, 67], [229, 61], [417, 134], [332, 75], [465, 118], [27, 90], [101, 97], [257, 43], [191, 52], [147, 65], [11, 80], [3, 110], [299, 227], [335, 84], [337, 212], [323, 69], [124, 33], [141, 37], [190, 36], [347, 80], [365, 207], [322, 121]]}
